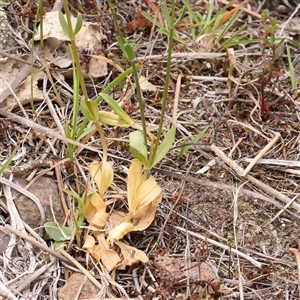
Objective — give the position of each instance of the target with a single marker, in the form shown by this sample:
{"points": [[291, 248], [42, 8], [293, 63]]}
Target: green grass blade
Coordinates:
{"points": [[184, 149], [166, 14], [78, 23], [210, 10], [8, 161], [162, 29], [291, 69], [193, 18], [230, 24], [236, 37], [63, 24]]}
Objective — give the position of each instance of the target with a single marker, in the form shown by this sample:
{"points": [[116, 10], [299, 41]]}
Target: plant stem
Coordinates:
{"points": [[135, 74], [103, 140], [168, 72], [140, 100], [75, 53], [128, 217]]}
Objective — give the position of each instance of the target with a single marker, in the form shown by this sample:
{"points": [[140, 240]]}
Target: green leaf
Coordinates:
{"points": [[233, 38], [69, 134], [78, 23], [8, 161], [71, 193], [58, 245], [164, 147], [90, 109], [121, 42], [68, 130], [291, 69], [63, 24], [184, 149], [117, 109], [57, 232], [265, 15], [166, 14], [138, 148], [129, 52], [181, 16], [2, 3], [117, 81], [162, 28], [229, 25]]}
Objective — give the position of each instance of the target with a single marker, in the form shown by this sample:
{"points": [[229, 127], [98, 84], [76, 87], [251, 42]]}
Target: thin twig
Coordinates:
{"points": [[295, 252], [176, 99], [282, 210], [50, 104], [217, 185], [34, 242], [276, 162], [81, 268], [235, 146], [246, 10], [225, 247], [62, 195], [44, 130], [32, 277], [277, 135], [5, 292], [191, 55], [27, 194], [239, 170]]}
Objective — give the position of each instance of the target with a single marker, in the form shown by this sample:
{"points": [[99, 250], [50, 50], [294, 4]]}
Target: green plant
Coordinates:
{"points": [[292, 70], [271, 51], [2, 13], [211, 24], [185, 147], [144, 194], [89, 108], [271, 47], [138, 142], [7, 162], [74, 131]]}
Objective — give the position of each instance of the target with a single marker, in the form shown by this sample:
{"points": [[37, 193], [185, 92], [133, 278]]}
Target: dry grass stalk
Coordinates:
{"points": [[225, 247], [277, 135], [239, 170]]}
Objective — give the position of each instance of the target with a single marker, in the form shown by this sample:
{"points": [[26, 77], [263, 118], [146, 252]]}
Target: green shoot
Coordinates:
{"points": [[7, 162], [292, 70], [185, 148]]}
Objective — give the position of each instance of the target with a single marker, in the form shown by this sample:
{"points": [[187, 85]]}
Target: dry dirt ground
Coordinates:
{"points": [[216, 234]]}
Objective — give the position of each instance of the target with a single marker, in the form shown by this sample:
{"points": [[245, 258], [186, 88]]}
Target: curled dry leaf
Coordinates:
{"points": [[144, 195], [89, 242], [119, 231], [112, 119], [141, 191], [88, 40], [103, 175], [130, 255], [95, 213], [101, 251], [146, 85], [135, 179], [139, 23], [116, 218], [143, 218]]}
